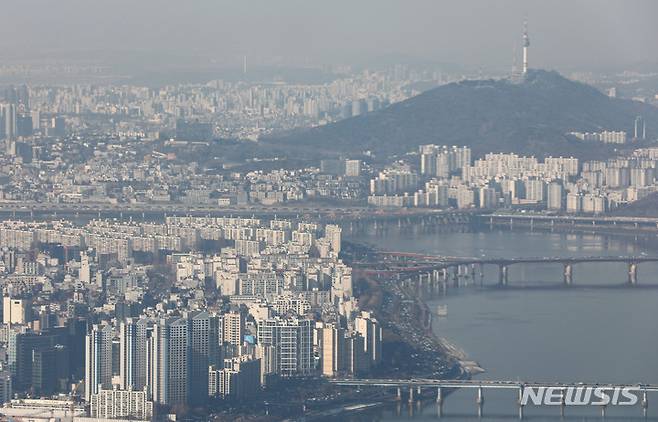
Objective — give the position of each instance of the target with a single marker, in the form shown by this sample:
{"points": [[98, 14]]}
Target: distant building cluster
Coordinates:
{"points": [[560, 184], [442, 161], [607, 137], [199, 112], [65, 161], [615, 137], [394, 180]]}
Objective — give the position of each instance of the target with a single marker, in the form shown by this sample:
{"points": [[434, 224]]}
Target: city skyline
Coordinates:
{"points": [[291, 210]]}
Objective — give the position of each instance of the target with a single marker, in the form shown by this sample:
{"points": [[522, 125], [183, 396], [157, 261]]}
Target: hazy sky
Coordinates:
{"points": [[564, 33]]}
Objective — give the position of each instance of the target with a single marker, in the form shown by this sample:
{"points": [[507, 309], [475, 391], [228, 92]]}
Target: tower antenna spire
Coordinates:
{"points": [[526, 46]]}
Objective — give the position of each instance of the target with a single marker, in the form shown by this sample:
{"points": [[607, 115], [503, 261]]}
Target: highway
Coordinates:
{"points": [[182, 209]]}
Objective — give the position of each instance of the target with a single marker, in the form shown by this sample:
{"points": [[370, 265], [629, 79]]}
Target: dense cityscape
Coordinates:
{"points": [[55, 155], [255, 245]]}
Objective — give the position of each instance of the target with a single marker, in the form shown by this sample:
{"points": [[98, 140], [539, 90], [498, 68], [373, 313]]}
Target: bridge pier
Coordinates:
{"points": [[411, 394], [563, 402], [568, 274], [502, 275], [439, 396], [455, 276], [444, 275], [443, 280], [431, 281], [480, 401], [399, 394], [520, 402], [632, 273], [645, 403]]}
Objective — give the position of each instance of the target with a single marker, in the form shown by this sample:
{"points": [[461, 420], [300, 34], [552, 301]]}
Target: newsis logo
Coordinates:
{"points": [[580, 396]]}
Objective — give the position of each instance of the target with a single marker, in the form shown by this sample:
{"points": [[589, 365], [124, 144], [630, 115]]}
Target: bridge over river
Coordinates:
{"points": [[531, 220], [428, 268], [563, 394]]}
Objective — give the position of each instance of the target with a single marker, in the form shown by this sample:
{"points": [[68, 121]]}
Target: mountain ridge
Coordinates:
{"points": [[531, 117]]}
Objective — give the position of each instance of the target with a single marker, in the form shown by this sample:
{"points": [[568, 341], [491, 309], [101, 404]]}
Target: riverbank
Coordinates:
{"points": [[411, 349], [511, 329]]}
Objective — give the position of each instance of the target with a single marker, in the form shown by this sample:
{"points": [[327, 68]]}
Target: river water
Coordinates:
{"points": [[599, 330]]}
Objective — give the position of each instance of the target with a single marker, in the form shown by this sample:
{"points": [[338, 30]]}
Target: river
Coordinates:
{"points": [[537, 330]]}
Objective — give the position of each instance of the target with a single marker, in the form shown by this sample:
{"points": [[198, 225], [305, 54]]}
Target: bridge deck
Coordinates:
{"points": [[440, 261], [490, 384], [584, 219]]}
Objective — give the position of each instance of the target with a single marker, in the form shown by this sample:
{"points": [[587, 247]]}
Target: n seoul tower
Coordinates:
{"points": [[526, 46]]}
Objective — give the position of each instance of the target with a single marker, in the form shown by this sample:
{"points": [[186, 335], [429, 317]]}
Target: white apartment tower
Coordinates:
{"points": [[133, 345], [333, 234], [368, 327], [170, 353], [204, 352], [292, 340], [232, 328], [98, 359]]}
